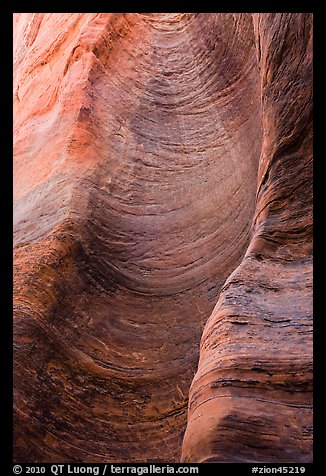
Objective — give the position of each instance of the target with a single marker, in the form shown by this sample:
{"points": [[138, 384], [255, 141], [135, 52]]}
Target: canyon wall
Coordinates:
{"points": [[162, 198]]}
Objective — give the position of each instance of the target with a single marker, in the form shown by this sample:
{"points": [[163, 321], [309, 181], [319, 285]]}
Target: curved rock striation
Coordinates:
{"points": [[138, 139], [251, 398]]}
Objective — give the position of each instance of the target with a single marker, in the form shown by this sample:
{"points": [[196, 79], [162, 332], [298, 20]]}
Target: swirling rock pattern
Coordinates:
{"points": [[138, 140], [251, 397]]}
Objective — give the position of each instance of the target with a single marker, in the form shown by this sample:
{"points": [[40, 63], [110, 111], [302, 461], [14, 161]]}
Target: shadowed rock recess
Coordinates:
{"points": [[162, 237]]}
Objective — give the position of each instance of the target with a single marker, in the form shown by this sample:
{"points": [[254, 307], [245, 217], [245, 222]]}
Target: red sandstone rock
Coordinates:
{"points": [[251, 400], [137, 144]]}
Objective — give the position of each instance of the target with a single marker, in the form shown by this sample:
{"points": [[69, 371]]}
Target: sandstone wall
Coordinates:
{"points": [[138, 141]]}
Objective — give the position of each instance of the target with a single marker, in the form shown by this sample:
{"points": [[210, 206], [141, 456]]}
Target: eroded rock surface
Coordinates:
{"points": [[251, 399], [138, 142]]}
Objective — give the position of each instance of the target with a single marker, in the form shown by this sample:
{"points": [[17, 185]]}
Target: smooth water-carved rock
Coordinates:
{"points": [[138, 141], [251, 398]]}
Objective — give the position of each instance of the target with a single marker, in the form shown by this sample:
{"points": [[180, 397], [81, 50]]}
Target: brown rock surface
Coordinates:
{"points": [[138, 140], [251, 397]]}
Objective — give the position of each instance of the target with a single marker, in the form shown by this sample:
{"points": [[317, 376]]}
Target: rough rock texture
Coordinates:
{"points": [[138, 142], [251, 397]]}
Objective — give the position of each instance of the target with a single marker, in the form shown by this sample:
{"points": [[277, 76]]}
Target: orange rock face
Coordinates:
{"points": [[162, 166]]}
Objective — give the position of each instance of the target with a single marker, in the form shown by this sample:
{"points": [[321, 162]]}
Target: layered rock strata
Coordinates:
{"points": [[138, 139], [251, 398]]}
